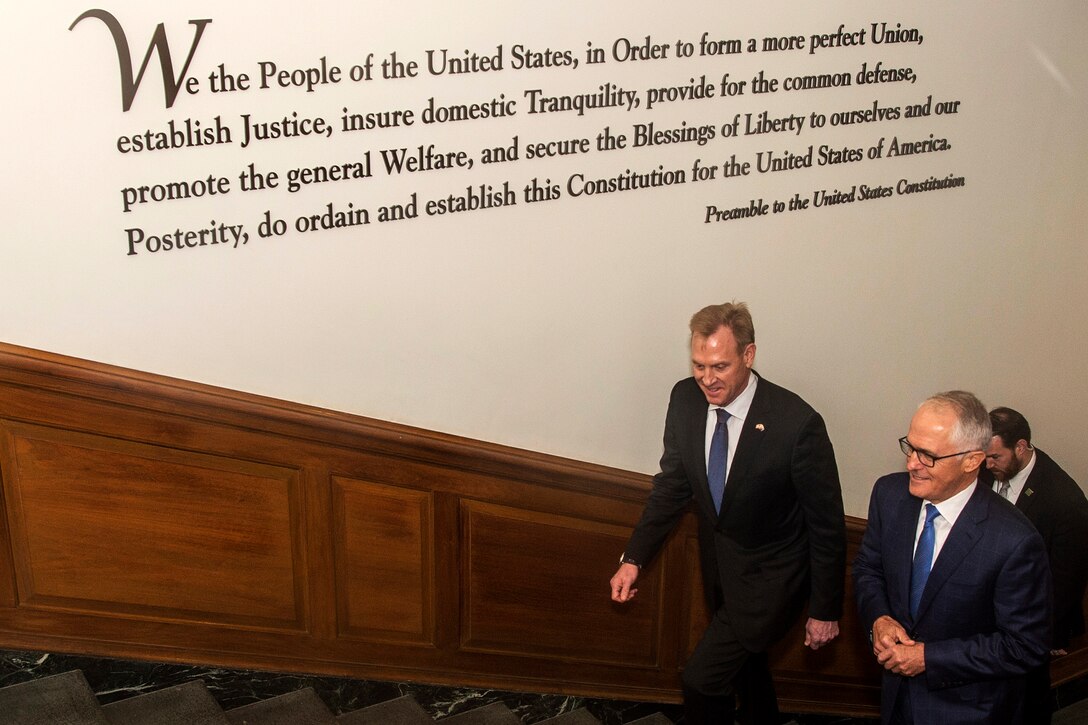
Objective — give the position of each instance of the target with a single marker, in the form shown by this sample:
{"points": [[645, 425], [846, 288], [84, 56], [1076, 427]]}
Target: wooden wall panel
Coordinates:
{"points": [[153, 518], [536, 585], [384, 553], [696, 613], [117, 528]]}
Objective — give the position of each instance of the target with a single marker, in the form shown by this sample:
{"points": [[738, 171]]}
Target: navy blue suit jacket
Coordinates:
{"points": [[985, 612]]}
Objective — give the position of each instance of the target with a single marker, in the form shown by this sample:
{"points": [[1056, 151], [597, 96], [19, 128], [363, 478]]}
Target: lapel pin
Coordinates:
{"points": [[759, 426], [1028, 492]]}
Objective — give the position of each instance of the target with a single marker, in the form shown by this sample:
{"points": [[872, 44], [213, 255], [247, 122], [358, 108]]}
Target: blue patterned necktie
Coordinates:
{"points": [[719, 453], [923, 560]]}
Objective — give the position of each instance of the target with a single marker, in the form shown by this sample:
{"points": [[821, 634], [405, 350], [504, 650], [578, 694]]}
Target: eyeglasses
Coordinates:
{"points": [[926, 458]]}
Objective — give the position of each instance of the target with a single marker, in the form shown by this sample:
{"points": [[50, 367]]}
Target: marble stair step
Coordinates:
{"points": [[64, 699], [67, 699], [188, 704], [655, 719], [496, 713], [401, 711], [581, 716], [1071, 715], [301, 707]]}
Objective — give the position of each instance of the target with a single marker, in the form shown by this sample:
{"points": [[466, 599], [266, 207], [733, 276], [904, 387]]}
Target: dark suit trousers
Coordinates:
{"points": [[722, 667], [1038, 699], [901, 711]]}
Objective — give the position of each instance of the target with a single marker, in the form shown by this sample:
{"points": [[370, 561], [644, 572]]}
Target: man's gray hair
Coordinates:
{"points": [[972, 430]]}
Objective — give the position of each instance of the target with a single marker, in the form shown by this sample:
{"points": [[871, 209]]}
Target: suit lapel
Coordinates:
{"points": [[697, 418], [751, 438], [1030, 493], [961, 540], [901, 548]]}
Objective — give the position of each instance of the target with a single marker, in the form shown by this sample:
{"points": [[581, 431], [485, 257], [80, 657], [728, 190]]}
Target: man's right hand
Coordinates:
{"points": [[887, 633], [623, 582]]}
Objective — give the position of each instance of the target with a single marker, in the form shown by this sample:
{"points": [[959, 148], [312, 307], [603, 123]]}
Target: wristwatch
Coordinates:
{"points": [[624, 559]]}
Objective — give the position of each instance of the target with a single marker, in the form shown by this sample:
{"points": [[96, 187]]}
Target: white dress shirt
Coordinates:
{"points": [[738, 411], [950, 510]]}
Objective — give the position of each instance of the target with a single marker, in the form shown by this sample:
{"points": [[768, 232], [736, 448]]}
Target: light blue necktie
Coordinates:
{"points": [[923, 560], [719, 453]]}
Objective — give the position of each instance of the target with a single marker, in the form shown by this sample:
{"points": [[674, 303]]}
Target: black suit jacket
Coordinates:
{"points": [[780, 538], [1056, 505]]}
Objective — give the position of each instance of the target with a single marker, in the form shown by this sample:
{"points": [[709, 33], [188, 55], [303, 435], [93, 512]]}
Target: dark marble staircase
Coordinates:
{"points": [[67, 699], [37, 688], [258, 696]]}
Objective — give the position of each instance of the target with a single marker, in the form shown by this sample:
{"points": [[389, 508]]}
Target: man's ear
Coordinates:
{"points": [[973, 460]]}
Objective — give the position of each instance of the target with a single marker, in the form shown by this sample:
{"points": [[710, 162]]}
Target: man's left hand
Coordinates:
{"points": [[904, 659], [818, 633]]}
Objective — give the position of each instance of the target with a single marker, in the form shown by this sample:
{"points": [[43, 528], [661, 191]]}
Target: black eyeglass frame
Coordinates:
{"points": [[926, 458]]}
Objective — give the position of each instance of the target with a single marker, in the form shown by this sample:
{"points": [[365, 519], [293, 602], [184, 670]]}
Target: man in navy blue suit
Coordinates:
{"points": [[952, 580]]}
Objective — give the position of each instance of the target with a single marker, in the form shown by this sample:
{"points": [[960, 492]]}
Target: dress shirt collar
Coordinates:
{"points": [[1016, 483], [950, 510], [952, 507]]}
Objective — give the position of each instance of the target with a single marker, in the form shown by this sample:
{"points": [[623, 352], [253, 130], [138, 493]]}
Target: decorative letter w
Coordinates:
{"points": [[129, 86]]}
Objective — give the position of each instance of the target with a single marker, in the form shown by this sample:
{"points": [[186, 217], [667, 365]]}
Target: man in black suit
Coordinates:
{"points": [[771, 528], [1058, 509]]}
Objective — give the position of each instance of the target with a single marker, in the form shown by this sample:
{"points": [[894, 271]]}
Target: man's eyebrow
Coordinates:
{"points": [[931, 454]]}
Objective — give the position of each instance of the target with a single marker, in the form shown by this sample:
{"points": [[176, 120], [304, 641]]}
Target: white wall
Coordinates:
{"points": [[560, 326]]}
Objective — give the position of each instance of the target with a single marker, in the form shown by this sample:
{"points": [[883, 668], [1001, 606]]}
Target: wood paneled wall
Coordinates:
{"points": [[152, 518]]}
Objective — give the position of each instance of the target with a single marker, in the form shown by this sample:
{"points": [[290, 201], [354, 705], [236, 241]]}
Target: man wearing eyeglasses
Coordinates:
{"points": [[952, 580]]}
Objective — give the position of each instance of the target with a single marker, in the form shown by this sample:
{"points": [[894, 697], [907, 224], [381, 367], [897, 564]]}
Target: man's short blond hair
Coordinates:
{"points": [[734, 315]]}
